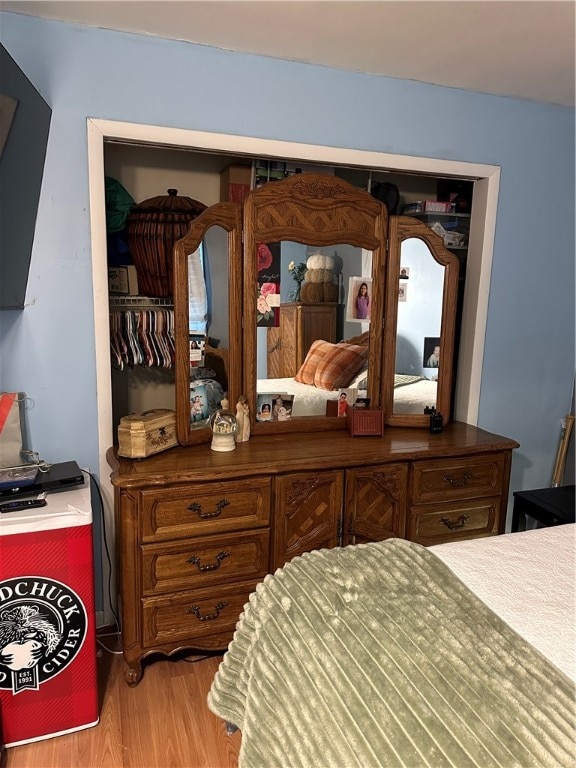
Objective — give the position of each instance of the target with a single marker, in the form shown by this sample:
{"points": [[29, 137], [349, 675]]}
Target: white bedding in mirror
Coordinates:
{"points": [[413, 398], [311, 401], [308, 399]]}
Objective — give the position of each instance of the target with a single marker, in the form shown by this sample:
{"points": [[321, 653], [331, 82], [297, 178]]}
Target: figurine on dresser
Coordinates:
{"points": [[243, 418]]}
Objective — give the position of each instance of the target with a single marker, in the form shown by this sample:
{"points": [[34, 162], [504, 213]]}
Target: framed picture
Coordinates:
{"points": [[402, 291], [346, 399], [359, 302], [264, 406], [197, 347], [431, 357], [198, 405], [282, 406]]}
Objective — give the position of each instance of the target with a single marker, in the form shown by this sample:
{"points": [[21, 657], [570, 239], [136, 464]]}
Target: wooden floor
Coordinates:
{"points": [[163, 722]]}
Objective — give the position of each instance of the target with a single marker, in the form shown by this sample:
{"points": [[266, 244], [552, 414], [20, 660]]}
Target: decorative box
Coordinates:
{"points": [[123, 280], [144, 434], [154, 226], [429, 206], [361, 422]]}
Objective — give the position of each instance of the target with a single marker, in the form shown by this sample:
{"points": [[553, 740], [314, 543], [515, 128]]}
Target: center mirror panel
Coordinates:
{"points": [[332, 305], [419, 325], [314, 277]]}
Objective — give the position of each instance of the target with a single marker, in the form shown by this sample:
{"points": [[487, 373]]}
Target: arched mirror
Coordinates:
{"points": [[421, 296], [207, 312], [294, 358]]}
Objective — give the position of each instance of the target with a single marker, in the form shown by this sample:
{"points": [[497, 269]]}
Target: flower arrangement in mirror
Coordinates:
{"points": [[298, 272]]}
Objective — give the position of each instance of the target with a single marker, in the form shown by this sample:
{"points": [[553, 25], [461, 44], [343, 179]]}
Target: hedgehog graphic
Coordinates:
{"points": [[25, 636]]}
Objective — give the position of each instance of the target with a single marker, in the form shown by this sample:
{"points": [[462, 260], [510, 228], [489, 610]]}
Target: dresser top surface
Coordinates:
{"points": [[274, 454]]}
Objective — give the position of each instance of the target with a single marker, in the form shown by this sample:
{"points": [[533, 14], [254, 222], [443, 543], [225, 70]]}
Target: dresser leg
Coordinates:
{"points": [[133, 673]]}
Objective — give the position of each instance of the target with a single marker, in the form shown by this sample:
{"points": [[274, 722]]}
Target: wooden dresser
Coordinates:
{"points": [[197, 530], [300, 325]]}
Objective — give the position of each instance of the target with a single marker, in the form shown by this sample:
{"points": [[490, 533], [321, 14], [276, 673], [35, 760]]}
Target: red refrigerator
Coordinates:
{"points": [[48, 674]]}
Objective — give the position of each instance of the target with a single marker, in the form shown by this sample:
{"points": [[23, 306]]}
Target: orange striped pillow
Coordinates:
{"points": [[315, 354], [339, 365]]}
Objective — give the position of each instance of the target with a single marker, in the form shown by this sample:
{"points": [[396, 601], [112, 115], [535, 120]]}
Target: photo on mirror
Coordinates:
{"points": [[282, 406], [264, 407], [359, 303], [402, 291], [431, 358], [268, 294], [199, 411], [197, 343], [346, 399]]}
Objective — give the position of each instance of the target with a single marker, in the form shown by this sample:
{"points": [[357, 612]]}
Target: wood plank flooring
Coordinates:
{"points": [[164, 722]]}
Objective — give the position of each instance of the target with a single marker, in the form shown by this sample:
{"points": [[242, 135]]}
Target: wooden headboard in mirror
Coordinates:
{"points": [[224, 361], [322, 212]]}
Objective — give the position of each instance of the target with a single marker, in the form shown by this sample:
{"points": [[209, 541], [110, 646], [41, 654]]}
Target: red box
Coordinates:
{"points": [[48, 675], [235, 181], [365, 421]]}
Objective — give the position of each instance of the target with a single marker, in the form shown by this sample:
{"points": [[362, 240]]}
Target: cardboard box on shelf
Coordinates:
{"points": [[429, 206], [235, 183], [123, 280]]}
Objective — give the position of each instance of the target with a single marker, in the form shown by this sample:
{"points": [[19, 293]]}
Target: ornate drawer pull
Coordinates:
{"points": [[195, 507], [458, 483], [194, 609], [454, 526], [194, 560]]}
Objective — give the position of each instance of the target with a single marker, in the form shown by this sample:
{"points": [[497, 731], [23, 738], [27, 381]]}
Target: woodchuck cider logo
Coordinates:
{"points": [[42, 627]]}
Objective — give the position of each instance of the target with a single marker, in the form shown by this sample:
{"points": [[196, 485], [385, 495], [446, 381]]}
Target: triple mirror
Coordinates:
{"points": [[324, 292]]}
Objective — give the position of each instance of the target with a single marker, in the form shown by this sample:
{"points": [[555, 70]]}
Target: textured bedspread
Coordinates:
{"points": [[377, 655]]}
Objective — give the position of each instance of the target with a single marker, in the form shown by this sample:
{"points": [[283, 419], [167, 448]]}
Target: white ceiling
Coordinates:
{"points": [[517, 48]]}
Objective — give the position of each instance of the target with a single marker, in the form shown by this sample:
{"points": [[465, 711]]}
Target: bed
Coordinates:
{"points": [[391, 654], [330, 367]]}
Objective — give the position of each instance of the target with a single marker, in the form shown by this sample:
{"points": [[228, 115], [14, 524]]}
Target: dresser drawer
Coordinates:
{"points": [[182, 511], [436, 523], [192, 615], [205, 561], [449, 479]]}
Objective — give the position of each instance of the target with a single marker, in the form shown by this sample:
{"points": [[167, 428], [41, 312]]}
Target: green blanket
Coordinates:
{"points": [[401, 379], [377, 655]]}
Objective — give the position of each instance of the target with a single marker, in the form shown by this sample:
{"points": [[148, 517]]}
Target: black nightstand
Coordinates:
{"points": [[549, 506]]}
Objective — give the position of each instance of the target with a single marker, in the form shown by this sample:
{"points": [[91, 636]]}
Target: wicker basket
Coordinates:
{"points": [[153, 227]]}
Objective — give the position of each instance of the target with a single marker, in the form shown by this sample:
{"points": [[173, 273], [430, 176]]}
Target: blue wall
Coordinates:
{"points": [[48, 349]]}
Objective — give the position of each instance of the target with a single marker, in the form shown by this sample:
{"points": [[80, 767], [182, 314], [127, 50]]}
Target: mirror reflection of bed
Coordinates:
{"points": [[283, 342], [420, 293], [420, 299]]}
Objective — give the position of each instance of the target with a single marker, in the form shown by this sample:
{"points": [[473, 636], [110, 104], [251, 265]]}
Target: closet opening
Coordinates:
{"points": [[148, 160]]}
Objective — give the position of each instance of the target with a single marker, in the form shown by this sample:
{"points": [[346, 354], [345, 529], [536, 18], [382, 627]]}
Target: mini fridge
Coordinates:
{"points": [[48, 673]]}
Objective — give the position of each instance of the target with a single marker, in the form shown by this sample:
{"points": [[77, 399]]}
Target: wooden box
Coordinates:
{"points": [[144, 434], [235, 181], [365, 421]]}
